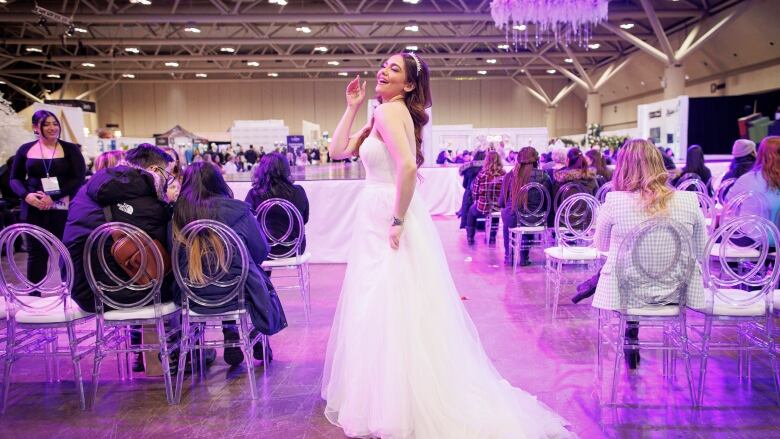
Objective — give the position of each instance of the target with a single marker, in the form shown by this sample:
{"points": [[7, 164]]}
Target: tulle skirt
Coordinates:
{"points": [[404, 359]]}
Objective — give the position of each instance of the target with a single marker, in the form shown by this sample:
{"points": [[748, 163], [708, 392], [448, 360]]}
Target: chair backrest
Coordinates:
{"points": [[16, 287], [707, 206], [654, 264], [604, 189], [692, 183], [528, 214], [723, 189], [575, 221], [292, 237], [98, 247], [759, 277], [229, 244], [566, 191], [745, 203]]}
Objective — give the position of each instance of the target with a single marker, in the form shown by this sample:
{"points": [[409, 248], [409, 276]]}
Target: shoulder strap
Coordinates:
{"points": [[107, 213]]}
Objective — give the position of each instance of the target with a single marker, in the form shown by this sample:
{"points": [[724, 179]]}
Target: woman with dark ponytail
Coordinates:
{"points": [[404, 359]]}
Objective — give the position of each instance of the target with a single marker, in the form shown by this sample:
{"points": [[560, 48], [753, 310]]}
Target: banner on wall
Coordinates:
{"points": [[71, 121], [295, 144], [666, 124]]}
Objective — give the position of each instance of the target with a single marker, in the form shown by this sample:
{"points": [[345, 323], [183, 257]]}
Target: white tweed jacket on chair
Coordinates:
{"points": [[621, 212]]}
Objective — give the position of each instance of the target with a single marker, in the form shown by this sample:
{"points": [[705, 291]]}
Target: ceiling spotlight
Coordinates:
{"points": [[503, 46], [53, 76], [87, 64], [322, 49], [343, 73], [253, 64], [192, 29], [627, 26], [520, 27], [172, 64], [411, 2], [278, 2], [132, 50], [551, 71], [491, 61], [80, 30], [2, 82], [412, 48], [568, 60], [412, 28], [594, 46], [34, 49], [333, 63], [227, 49], [141, 2], [201, 75], [481, 72], [273, 75], [304, 29], [128, 75]]}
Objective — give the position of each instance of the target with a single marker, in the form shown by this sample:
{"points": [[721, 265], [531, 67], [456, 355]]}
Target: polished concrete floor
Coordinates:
{"points": [[554, 360]]}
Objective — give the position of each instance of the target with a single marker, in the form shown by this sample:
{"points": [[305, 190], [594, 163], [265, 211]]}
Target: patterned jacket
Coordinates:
{"points": [[487, 190], [621, 212]]}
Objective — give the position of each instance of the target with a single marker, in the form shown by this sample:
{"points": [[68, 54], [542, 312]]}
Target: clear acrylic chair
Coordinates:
{"points": [[723, 190], [292, 257], [34, 325], [117, 315], [693, 183], [740, 300], [739, 248], [566, 191], [531, 220], [603, 190], [707, 206], [653, 268], [575, 225], [195, 324]]}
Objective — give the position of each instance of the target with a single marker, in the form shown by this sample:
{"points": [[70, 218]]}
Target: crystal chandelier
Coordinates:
{"points": [[559, 21]]}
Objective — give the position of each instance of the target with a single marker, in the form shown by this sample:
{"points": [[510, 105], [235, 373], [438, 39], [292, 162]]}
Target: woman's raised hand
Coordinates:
{"points": [[356, 93]]}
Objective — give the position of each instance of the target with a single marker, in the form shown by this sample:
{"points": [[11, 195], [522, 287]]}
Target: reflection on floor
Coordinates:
{"points": [[552, 360]]}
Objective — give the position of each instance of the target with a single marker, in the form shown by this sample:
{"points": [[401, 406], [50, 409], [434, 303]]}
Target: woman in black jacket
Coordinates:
{"points": [[271, 179], [694, 164], [46, 174]]}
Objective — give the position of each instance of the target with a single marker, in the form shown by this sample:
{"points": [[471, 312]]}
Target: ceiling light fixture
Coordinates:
{"points": [[201, 75], [503, 46], [278, 2], [304, 29], [172, 64], [132, 50], [343, 73], [128, 75], [481, 72], [558, 21], [411, 2], [594, 46], [520, 27], [412, 28], [333, 63], [80, 30], [87, 64], [273, 75], [253, 64], [627, 26], [34, 49], [412, 48], [491, 61], [227, 49], [322, 49], [551, 71], [568, 60], [192, 29], [53, 76], [141, 2]]}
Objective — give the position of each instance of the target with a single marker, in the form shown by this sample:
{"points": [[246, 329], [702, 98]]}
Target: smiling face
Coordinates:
{"points": [[49, 128], [391, 79]]}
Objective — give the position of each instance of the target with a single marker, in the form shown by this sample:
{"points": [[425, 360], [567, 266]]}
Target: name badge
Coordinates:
{"points": [[61, 204], [50, 185]]}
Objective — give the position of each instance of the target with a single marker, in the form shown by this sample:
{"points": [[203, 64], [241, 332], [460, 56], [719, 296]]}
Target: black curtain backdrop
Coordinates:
{"points": [[712, 122]]}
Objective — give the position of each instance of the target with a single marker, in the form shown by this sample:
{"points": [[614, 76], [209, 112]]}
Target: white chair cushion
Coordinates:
{"points": [[231, 315], [60, 314], [776, 301], [286, 262], [145, 312], [708, 221], [721, 308], [528, 230], [733, 251], [655, 311], [572, 253]]}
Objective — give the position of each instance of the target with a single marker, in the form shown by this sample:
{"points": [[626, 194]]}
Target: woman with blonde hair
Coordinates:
{"points": [[641, 192], [108, 159], [487, 190]]}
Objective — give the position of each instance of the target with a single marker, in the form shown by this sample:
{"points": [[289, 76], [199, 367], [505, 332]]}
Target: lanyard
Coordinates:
{"points": [[47, 167]]}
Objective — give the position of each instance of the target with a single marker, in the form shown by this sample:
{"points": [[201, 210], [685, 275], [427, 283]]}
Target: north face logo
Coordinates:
{"points": [[126, 208]]}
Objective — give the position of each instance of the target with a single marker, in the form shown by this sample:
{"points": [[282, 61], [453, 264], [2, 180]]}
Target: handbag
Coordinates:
{"points": [[127, 254]]}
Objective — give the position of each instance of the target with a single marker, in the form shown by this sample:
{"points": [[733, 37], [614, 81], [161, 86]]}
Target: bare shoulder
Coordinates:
{"points": [[392, 114]]}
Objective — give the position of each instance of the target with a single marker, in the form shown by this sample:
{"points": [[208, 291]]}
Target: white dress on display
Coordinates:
{"points": [[404, 359]]}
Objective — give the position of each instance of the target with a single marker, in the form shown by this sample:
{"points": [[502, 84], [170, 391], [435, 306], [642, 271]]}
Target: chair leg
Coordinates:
{"points": [[183, 351], [165, 359], [304, 292], [620, 342], [557, 291], [9, 359], [687, 359], [246, 346], [75, 358], [705, 350]]}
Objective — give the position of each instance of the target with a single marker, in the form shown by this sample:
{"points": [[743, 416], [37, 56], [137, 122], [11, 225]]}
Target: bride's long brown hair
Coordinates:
{"points": [[416, 101]]}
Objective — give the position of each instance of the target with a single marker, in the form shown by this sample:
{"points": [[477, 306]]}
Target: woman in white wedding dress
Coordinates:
{"points": [[404, 359]]}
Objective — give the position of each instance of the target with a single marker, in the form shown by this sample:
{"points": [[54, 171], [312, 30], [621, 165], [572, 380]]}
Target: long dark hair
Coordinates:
{"points": [[271, 178], [39, 118], [527, 161], [598, 163], [694, 160], [575, 160], [202, 186], [416, 100]]}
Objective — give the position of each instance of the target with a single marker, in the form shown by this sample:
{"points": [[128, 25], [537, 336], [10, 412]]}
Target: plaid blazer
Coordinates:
{"points": [[621, 212]]}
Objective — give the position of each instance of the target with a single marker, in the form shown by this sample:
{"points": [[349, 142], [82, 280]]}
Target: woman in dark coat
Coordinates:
{"points": [[46, 174], [205, 195], [694, 164]]}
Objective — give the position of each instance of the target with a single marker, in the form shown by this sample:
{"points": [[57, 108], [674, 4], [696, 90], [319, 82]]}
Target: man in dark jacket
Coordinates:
{"points": [[250, 155], [744, 152], [135, 193]]}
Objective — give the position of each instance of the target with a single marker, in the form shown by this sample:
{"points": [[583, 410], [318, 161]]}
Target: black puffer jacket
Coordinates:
{"points": [[739, 166], [133, 200]]}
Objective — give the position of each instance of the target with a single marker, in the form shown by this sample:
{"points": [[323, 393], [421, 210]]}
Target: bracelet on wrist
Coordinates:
{"points": [[397, 221]]}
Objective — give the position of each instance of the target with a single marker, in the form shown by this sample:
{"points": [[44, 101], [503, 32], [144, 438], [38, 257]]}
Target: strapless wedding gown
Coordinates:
{"points": [[404, 359]]}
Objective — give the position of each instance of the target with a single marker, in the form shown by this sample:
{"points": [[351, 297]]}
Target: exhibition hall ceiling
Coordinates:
{"points": [[103, 42]]}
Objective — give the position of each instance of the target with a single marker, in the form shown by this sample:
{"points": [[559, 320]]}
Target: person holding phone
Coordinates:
{"points": [[46, 174]]}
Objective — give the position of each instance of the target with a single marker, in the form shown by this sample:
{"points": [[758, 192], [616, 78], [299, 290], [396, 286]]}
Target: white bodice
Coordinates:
{"points": [[379, 164]]}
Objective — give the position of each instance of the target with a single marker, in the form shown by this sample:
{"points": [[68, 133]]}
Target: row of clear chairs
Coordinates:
{"points": [[33, 326], [653, 287]]}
